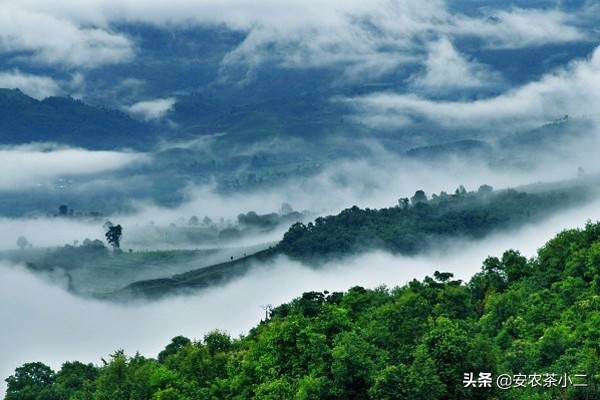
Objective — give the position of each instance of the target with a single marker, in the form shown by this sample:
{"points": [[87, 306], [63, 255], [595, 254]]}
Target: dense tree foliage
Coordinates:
{"points": [[113, 237], [430, 339], [422, 224]]}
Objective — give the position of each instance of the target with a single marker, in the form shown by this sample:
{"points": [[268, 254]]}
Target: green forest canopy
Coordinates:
{"points": [[425, 340], [412, 227]]}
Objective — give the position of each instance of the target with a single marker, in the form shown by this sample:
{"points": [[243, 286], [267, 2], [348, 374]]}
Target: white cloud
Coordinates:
{"points": [[31, 165], [446, 70], [151, 109], [47, 232], [519, 28], [573, 90], [367, 39], [35, 86], [40, 37], [374, 38]]}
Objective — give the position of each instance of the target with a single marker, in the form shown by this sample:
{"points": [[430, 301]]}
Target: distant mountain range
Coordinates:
{"points": [[65, 120]]}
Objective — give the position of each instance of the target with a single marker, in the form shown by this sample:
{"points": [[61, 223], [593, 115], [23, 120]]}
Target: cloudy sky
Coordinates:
{"points": [[571, 90], [313, 32], [53, 48]]}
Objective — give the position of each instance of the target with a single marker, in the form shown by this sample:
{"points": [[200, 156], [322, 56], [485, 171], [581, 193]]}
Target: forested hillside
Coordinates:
{"points": [[66, 120], [146, 148], [415, 226], [418, 224], [534, 321]]}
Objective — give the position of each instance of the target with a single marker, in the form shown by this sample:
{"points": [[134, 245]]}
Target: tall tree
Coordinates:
{"points": [[32, 381], [113, 236]]}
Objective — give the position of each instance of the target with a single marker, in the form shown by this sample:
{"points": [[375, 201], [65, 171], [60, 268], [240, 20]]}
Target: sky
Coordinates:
{"points": [[52, 48], [571, 90]]}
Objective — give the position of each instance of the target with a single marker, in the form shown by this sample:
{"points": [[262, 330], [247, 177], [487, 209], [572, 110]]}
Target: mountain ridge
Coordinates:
{"points": [[69, 121]]}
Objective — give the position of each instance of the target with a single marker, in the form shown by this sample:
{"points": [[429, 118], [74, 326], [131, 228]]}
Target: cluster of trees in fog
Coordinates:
{"points": [[419, 341], [417, 224], [414, 226]]}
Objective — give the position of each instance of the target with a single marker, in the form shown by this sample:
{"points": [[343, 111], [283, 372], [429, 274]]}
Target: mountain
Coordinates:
{"points": [[413, 227], [66, 120], [558, 139]]}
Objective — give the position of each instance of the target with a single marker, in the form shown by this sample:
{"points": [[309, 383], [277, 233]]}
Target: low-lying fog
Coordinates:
{"points": [[43, 322], [377, 182], [35, 165], [53, 326]]}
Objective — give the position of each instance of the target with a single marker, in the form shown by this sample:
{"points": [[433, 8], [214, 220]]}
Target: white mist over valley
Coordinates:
{"points": [[174, 168]]}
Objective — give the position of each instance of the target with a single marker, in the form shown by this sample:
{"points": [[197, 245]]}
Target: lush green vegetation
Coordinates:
{"points": [[416, 225], [193, 279], [516, 316]]}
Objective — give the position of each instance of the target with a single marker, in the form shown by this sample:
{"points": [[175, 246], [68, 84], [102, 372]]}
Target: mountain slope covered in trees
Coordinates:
{"points": [[65, 120], [535, 320], [414, 226], [410, 229]]}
